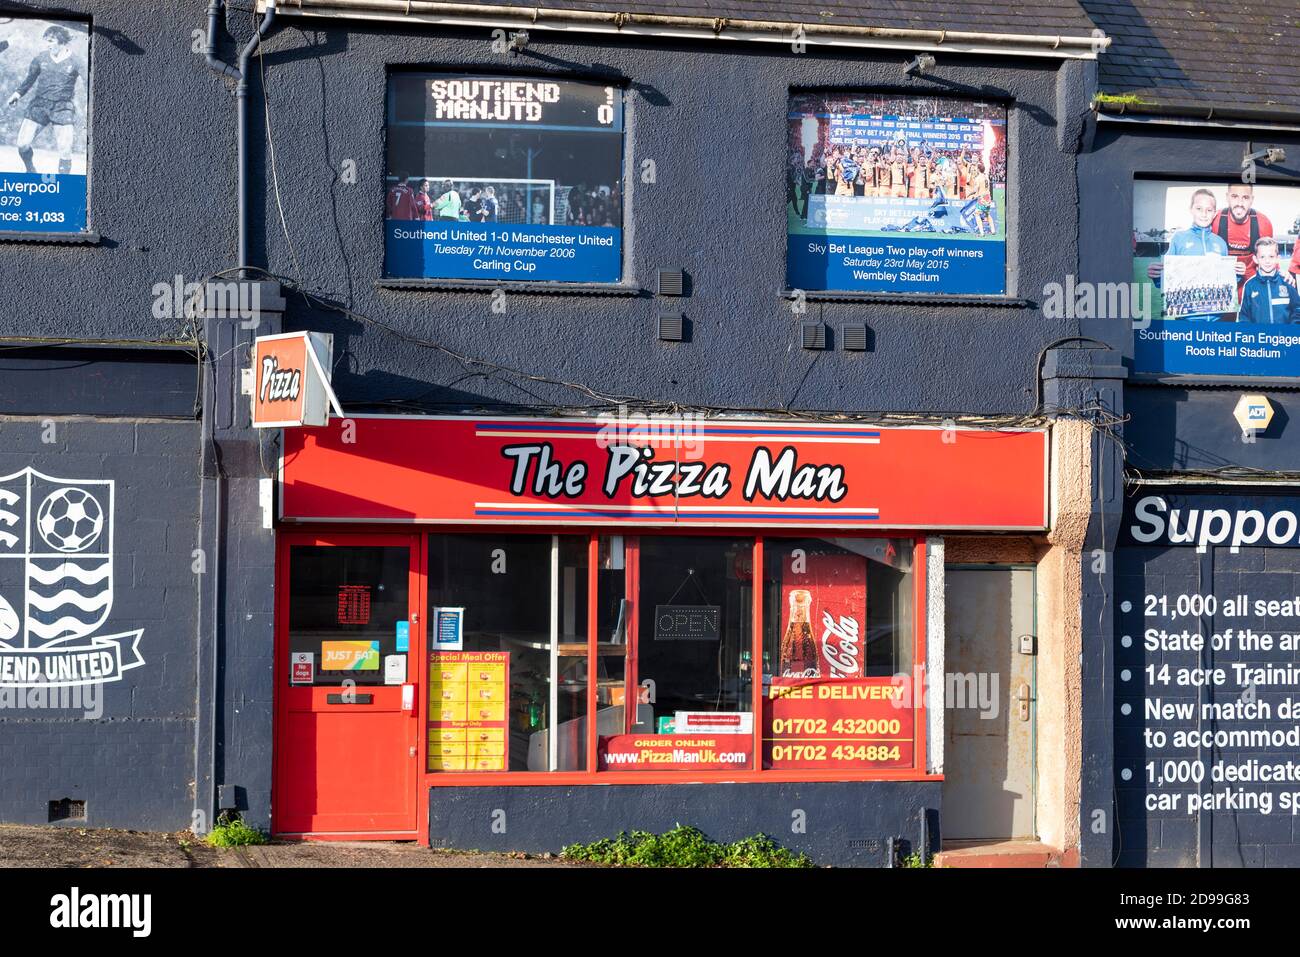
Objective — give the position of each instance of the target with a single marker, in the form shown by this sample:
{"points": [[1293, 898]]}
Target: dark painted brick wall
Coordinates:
{"points": [[712, 116], [134, 763], [162, 183], [844, 824]]}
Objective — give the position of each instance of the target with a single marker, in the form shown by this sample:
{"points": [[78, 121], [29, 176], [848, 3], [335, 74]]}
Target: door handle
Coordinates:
{"points": [[1024, 698]]}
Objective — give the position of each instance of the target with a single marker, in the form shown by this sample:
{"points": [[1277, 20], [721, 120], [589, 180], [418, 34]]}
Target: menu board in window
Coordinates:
{"points": [[467, 710]]}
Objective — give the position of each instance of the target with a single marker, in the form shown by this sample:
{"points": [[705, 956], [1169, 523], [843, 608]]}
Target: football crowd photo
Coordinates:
{"points": [[532, 202], [924, 165]]}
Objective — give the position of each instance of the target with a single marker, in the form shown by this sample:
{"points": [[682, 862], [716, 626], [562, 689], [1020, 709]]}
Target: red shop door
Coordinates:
{"points": [[348, 686]]}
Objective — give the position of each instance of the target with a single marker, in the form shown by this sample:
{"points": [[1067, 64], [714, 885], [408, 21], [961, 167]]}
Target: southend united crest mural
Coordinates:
{"points": [[56, 584]]}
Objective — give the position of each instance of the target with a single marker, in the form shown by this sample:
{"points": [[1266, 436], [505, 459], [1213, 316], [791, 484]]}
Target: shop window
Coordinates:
{"points": [[508, 652], [838, 627], [692, 658], [606, 654], [503, 178], [44, 131], [615, 709]]}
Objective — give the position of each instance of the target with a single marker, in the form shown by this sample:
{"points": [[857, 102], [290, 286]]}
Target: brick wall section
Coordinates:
{"points": [[134, 764]]}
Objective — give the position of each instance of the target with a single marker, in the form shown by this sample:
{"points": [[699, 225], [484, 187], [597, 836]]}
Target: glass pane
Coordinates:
{"points": [[491, 702], [694, 619], [838, 625], [348, 607], [615, 714], [571, 666], [862, 586]]}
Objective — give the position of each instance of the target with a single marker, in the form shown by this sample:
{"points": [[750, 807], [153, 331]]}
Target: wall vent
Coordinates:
{"points": [[854, 337], [67, 809], [672, 282], [814, 335], [672, 328]]}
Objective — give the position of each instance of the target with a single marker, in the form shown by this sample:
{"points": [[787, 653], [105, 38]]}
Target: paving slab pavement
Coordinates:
{"points": [[69, 846]]}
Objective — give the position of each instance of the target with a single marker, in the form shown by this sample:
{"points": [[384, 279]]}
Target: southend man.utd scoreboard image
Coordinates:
{"points": [[896, 194], [504, 179]]}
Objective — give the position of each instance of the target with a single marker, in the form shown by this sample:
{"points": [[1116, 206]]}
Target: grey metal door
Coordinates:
{"points": [[988, 790]]}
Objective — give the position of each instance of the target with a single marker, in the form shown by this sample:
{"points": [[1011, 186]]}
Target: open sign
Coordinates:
{"points": [[686, 622]]}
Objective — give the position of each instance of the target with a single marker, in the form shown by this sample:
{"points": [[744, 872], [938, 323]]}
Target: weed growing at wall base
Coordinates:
{"points": [[684, 846], [232, 832]]}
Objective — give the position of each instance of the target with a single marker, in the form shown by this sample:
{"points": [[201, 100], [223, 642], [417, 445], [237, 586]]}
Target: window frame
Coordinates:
{"points": [[89, 235], [625, 285], [1009, 296], [918, 772]]}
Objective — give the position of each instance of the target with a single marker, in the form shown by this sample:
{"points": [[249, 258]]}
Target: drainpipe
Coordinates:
{"points": [[212, 486], [240, 75]]}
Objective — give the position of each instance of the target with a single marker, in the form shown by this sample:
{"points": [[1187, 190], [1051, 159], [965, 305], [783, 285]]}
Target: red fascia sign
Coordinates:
{"points": [[291, 380], [714, 472]]}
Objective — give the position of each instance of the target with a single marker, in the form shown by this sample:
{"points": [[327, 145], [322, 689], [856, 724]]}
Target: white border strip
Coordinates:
{"points": [[676, 439], [935, 637]]}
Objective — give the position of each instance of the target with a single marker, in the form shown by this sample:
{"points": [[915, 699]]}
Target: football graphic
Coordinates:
{"points": [[70, 520], [10, 624]]}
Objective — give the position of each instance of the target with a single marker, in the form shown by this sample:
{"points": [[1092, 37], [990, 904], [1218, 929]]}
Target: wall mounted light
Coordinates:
{"points": [[921, 64]]}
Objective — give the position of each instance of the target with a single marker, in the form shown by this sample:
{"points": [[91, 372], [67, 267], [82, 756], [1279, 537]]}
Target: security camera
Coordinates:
{"points": [[1269, 157], [921, 63], [518, 40]]}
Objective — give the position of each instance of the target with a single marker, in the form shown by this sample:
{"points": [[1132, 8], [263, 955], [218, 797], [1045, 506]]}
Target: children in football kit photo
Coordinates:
{"points": [[1198, 239], [1267, 298]]}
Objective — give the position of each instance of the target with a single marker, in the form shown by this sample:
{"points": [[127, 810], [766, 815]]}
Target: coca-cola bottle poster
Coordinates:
{"points": [[820, 711], [825, 608]]}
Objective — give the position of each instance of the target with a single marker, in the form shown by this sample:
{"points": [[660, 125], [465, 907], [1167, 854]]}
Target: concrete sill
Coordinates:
{"points": [[1242, 383], [536, 288], [90, 238], [910, 299]]}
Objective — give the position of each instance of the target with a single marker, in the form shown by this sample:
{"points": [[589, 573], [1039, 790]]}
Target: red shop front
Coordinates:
{"points": [[471, 601]]}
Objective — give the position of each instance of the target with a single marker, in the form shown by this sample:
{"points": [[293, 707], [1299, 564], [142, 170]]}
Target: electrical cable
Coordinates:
{"points": [[275, 175]]}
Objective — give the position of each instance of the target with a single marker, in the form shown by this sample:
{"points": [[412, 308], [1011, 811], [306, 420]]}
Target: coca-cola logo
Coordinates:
{"points": [[806, 673], [840, 645]]}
